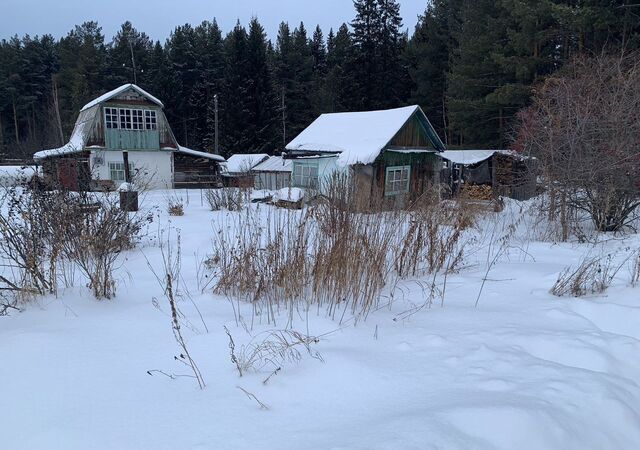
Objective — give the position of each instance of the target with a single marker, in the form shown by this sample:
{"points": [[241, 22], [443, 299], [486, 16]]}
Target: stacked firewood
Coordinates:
{"points": [[477, 192]]}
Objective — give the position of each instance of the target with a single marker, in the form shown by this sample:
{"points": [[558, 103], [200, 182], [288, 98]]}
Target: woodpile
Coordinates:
{"points": [[477, 192]]}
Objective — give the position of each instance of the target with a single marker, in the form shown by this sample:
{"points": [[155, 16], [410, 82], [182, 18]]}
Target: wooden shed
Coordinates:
{"points": [[391, 156], [489, 173]]}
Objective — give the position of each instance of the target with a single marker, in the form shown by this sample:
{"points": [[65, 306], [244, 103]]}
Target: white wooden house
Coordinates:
{"points": [[127, 119]]}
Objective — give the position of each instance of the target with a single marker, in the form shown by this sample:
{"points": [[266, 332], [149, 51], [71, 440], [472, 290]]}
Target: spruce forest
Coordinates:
{"points": [[472, 65]]}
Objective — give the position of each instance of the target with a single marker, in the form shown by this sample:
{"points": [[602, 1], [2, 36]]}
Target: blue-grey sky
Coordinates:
{"points": [[159, 17]]}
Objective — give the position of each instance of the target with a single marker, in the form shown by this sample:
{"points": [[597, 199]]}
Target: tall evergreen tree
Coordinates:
{"points": [[182, 60], [128, 57], [261, 103], [233, 103], [339, 79], [210, 48], [83, 69], [378, 46]]}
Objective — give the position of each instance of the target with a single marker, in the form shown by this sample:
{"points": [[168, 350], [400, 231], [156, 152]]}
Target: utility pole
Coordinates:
{"points": [[133, 61], [284, 121], [215, 109]]}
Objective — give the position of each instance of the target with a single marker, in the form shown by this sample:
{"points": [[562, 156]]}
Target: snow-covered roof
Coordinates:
{"points": [[468, 157], [358, 137], [244, 162], [275, 164], [188, 151], [119, 90], [76, 142]]}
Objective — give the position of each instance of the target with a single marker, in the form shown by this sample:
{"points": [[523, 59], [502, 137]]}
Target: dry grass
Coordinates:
{"points": [[332, 257], [635, 268], [230, 199], [272, 349], [593, 275], [175, 205]]}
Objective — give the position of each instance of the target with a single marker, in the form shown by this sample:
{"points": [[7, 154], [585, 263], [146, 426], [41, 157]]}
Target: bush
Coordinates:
{"points": [[42, 232], [231, 199], [175, 205]]}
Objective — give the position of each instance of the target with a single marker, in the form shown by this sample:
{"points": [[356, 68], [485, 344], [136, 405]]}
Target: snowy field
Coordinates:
{"points": [[522, 370]]}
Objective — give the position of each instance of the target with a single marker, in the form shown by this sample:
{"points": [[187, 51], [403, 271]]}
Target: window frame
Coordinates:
{"points": [[306, 179], [397, 185], [150, 119], [111, 117], [118, 169], [137, 120], [125, 118]]}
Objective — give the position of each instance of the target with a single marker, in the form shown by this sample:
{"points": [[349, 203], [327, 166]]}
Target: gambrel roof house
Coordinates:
{"points": [[390, 154], [126, 119]]}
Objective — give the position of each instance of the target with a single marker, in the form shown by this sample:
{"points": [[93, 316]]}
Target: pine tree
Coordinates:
{"points": [[378, 46], [209, 46], [128, 57], [183, 66], [261, 118], [339, 79], [428, 56], [83, 69], [233, 102]]}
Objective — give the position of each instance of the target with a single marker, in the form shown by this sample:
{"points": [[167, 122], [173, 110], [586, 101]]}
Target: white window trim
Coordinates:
{"points": [[148, 118], [118, 169], [150, 124], [113, 113], [312, 182], [404, 189]]}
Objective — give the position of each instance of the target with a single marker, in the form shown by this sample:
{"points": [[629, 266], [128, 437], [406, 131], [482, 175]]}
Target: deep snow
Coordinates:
{"points": [[523, 370]]}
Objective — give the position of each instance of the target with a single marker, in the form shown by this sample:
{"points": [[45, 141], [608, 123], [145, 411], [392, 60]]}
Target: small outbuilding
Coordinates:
{"points": [[489, 173], [273, 174], [237, 171], [390, 156], [126, 123]]}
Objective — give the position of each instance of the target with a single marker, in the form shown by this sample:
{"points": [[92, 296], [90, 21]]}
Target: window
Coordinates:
{"points": [[397, 180], [125, 119], [111, 117], [150, 119], [130, 119], [137, 121], [116, 171], [305, 175]]}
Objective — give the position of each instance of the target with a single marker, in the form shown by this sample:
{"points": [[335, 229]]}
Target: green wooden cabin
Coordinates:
{"points": [[390, 156]]}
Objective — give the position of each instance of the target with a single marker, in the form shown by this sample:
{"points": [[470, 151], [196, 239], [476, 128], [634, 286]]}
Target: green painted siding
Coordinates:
{"points": [[390, 158], [117, 139]]}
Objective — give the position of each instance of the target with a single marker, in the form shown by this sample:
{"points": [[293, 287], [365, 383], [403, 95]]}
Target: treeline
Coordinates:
{"points": [[471, 65]]}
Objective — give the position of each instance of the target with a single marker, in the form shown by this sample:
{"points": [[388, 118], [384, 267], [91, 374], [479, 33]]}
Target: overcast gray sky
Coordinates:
{"points": [[158, 18]]}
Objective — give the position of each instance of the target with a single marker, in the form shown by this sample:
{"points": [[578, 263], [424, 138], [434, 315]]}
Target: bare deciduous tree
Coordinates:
{"points": [[584, 126]]}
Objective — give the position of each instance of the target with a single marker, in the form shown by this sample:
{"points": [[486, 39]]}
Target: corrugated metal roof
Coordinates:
{"points": [[274, 164]]}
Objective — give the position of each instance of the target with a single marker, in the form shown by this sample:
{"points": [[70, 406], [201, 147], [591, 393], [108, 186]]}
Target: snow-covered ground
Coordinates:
{"points": [[523, 370]]}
